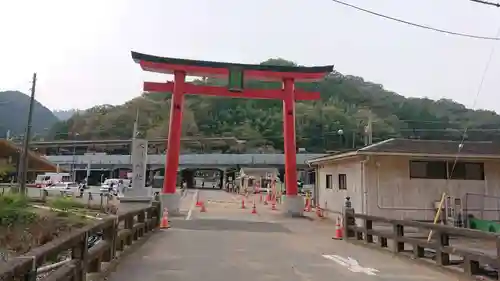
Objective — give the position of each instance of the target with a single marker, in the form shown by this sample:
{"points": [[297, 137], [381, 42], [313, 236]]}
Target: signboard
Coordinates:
{"points": [[139, 160]]}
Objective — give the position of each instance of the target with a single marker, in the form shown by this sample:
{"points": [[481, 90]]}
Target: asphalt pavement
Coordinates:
{"points": [[230, 243]]}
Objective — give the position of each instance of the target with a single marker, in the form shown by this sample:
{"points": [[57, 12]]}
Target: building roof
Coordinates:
{"points": [[35, 161], [84, 143], [422, 148], [211, 64], [259, 172]]}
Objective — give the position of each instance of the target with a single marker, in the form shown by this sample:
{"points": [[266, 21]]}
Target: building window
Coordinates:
{"points": [[446, 169], [342, 181], [466, 171], [329, 182], [428, 170]]}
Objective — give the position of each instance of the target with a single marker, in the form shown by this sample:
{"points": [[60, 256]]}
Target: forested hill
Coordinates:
{"points": [[346, 103], [14, 107]]}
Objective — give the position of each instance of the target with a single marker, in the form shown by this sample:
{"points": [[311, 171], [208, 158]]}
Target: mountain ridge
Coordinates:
{"points": [[14, 106], [347, 103]]}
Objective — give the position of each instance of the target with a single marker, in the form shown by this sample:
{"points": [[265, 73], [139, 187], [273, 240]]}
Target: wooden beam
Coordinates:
{"points": [[206, 71], [155, 87]]}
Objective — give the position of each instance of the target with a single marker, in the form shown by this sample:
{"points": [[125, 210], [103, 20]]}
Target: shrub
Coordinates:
{"points": [[14, 209]]}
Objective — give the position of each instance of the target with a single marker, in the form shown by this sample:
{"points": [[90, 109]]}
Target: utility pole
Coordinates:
{"points": [[23, 167], [369, 130], [487, 3]]}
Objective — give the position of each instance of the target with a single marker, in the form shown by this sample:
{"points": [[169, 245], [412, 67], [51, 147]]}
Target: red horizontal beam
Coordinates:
{"points": [[224, 92], [203, 71]]}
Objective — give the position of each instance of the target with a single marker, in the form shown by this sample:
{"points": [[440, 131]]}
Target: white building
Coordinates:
{"points": [[403, 178]]}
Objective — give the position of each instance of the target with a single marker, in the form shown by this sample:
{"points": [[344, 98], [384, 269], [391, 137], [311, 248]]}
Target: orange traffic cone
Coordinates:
{"points": [[319, 213], [198, 203], [273, 206], [203, 209], [243, 203], [338, 230], [254, 208], [308, 205], [164, 220]]}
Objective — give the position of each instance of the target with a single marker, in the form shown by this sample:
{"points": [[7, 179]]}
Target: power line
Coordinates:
{"points": [[415, 24], [479, 90], [487, 3]]}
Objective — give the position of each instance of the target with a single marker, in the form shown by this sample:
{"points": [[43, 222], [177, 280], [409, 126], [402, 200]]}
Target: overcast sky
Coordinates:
{"points": [[81, 49]]}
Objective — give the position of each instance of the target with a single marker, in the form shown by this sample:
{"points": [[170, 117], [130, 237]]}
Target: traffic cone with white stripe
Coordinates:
{"points": [[164, 220], [254, 208], [338, 230], [273, 206], [319, 212]]}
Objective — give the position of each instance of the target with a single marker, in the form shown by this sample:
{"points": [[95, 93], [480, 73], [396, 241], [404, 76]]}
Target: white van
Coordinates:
{"points": [[48, 179]]}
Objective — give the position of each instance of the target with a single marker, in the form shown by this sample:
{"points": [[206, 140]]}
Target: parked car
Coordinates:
{"points": [[68, 188], [116, 184]]}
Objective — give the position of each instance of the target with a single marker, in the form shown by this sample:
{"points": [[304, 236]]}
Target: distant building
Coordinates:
{"points": [[405, 179]]}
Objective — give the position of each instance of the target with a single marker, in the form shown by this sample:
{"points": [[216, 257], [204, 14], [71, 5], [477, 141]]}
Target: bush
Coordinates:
{"points": [[65, 203], [14, 209], [13, 200]]}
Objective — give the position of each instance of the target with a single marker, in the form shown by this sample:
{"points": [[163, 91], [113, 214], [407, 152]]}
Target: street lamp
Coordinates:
{"points": [[73, 164], [340, 132]]}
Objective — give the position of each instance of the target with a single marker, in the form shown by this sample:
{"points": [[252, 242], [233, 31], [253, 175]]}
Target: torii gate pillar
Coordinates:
{"points": [[294, 204], [169, 197]]}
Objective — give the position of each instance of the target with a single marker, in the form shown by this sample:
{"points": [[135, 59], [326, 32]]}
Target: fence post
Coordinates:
{"points": [[89, 199], [79, 252], [102, 202], [368, 227], [141, 218], [443, 238], [31, 274], [398, 231], [109, 235], [129, 224], [149, 221], [158, 212], [349, 219]]}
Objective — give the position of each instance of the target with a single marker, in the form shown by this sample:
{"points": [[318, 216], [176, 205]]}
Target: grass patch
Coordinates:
{"points": [[14, 208], [65, 203]]}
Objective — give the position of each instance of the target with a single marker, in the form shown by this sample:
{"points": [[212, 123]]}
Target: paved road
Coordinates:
{"points": [[228, 243]]}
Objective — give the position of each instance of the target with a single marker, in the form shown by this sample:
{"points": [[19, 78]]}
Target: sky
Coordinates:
{"points": [[81, 49]]}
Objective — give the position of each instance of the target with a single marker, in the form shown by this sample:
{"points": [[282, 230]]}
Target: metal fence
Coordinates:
{"points": [[482, 206]]}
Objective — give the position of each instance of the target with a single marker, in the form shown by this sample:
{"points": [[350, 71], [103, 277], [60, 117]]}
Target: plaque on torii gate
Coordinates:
{"points": [[236, 74]]}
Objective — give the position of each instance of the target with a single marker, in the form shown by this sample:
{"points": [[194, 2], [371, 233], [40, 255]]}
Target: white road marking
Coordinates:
{"points": [[351, 264], [193, 204]]}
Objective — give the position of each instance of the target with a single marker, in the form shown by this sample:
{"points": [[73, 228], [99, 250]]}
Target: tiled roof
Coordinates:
{"points": [[414, 146], [421, 148], [35, 161]]}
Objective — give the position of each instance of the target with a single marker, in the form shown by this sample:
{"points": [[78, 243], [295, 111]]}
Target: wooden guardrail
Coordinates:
{"points": [[118, 234], [390, 234]]}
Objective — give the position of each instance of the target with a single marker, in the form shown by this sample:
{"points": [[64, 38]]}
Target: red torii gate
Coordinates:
{"points": [[236, 75]]}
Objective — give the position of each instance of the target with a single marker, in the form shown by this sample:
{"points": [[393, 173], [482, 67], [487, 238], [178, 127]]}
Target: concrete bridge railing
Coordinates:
{"points": [[469, 252], [118, 236]]}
